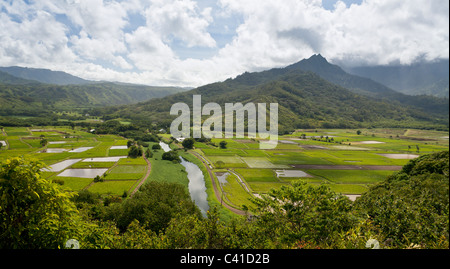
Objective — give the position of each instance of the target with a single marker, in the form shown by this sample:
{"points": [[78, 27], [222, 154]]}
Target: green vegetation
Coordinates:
{"points": [[384, 176], [306, 100], [188, 143], [34, 213], [411, 206], [135, 152], [398, 212], [171, 156]]}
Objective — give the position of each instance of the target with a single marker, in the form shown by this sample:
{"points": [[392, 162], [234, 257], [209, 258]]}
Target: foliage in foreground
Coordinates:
{"points": [[409, 209]]}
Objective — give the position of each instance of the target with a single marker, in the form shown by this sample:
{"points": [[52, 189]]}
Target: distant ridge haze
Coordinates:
{"points": [[44, 75], [420, 78], [417, 79]]}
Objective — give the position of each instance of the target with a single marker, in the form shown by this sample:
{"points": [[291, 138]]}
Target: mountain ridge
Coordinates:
{"points": [[421, 78], [44, 75], [307, 100]]}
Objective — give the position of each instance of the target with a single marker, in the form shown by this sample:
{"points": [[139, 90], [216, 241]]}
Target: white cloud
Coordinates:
{"points": [[180, 19], [99, 39], [36, 40], [148, 51], [375, 32], [385, 32]]}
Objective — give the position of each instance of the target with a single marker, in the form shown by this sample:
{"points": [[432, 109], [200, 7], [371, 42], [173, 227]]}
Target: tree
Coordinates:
{"points": [[411, 206], [130, 143], [153, 206], [35, 213], [135, 152], [223, 144], [188, 143], [171, 156], [98, 179], [148, 153], [302, 213], [156, 147], [43, 142]]}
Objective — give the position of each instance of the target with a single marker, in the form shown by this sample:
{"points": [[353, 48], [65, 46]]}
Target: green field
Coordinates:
{"points": [[121, 176], [327, 148], [251, 171]]}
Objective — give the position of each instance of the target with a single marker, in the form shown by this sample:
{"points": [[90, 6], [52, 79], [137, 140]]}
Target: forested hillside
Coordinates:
{"points": [[44, 75], [305, 101], [38, 98], [416, 79]]}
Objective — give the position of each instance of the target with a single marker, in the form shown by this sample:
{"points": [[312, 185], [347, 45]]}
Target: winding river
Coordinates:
{"points": [[197, 188]]}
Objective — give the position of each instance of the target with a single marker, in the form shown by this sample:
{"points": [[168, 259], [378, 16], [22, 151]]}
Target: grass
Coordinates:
{"points": [[75, 183], [258, 175], [293, 157], [234, 192], [348, 157], [93, 164], [352, 176], [15, 143], [118, 152], [112, 187], [125, 169], [229, 161], [265, 187], [167, 171], [100, 150], [124, 176], [131, 161], [261, 162], [221, 152], [348, 188]]}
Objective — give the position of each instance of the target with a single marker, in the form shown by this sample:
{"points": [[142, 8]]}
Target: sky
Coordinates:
{"points": [[195, 42]]}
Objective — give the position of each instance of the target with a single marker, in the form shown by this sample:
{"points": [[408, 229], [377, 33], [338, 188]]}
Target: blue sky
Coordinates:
{"points": [[195, 42], [329, 4]]}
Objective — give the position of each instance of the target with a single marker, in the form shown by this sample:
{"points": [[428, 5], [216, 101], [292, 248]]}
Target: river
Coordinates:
{"points": [[196, 186]]}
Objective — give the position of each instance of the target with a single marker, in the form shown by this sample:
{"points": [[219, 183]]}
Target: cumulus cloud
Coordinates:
{"points": [[375, 32], [38, 37], [141, 40], [180, 20]]}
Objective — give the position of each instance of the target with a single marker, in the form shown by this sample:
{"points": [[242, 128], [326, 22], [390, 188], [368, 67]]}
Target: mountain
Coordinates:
{"points": [[306, 100], [366, 86], [31, 92], [10, 79], [421, 78], [32, 99], [337, 75], [44, 75]]}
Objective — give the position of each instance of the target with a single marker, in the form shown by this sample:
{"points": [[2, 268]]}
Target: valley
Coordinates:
{"points": [[343, 142], [343, 160]]}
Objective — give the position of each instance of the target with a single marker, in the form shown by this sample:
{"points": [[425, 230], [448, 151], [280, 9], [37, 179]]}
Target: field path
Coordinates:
{"points": [[216, 190], [149, 169], [347, 167]]}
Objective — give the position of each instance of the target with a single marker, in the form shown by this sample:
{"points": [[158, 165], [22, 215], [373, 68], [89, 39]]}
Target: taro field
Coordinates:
{"points": [[347, 161], [74, 158]]}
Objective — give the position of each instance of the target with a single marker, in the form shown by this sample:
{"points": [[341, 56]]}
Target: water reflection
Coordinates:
{"points": [[197, 188], [164, 146]]}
